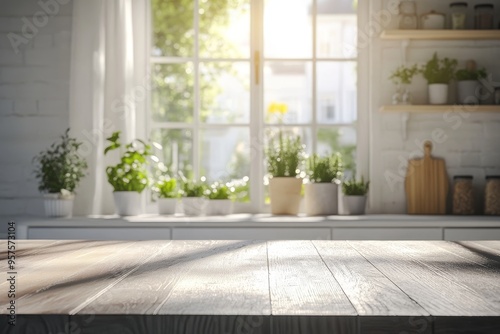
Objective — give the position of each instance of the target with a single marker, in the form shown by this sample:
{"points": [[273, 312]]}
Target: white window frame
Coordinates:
{"points": [[256, 124]]}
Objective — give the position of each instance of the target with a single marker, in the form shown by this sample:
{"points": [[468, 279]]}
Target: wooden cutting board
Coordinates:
{"points": [[426, 184]]}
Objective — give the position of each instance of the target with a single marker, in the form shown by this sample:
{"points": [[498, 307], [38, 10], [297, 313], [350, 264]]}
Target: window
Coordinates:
{"points": [[218, 64]]}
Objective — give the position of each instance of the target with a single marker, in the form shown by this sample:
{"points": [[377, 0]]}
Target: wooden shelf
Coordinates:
{"points": [[444, 34], [437, 108]]}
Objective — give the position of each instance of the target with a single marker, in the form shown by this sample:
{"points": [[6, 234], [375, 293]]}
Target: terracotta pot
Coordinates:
{"points": [[321, 199], [167, 206], [128, 203], [57, 207], [284, 193], [219, 207]]}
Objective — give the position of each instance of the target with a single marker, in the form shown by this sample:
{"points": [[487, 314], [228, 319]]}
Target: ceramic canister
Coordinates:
{"points": [[432, 20]]}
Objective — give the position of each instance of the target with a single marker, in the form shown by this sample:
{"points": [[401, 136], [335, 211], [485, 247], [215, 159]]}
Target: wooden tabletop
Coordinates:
{"points": [[222, 287]]}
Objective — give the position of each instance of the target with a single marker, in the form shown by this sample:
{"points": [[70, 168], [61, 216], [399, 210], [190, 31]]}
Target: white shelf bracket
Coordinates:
{"points": [[405, 117]]}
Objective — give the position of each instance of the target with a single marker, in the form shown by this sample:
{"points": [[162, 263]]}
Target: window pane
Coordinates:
{"points": [[289, 83], [336, 29], [336, 92], [173, 28], [224, 28], [225, 92], [172, 97], [338, 139], [288, 29], [175, 149], [225, 153]]}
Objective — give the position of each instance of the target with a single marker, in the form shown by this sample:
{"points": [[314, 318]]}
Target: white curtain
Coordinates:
{"points": [[108, 87]]}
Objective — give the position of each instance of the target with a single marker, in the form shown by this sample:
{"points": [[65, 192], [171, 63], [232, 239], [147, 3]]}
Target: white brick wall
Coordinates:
{"points": [[33, 99], [471, 145]]}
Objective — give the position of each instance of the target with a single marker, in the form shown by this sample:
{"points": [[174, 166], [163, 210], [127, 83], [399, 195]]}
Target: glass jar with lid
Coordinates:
{"points": [[492, 195], [463, 195], [484, 16], [458, 15], [408, 15]]}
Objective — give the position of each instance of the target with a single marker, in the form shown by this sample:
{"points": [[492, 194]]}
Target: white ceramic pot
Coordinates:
{"points": [[438, 93], [219, 207], [167, 206], [432, 20], [57, 207], [355, 205], [193, 206], [321, 199], [284, 193], [128, 203], [468, 91]]}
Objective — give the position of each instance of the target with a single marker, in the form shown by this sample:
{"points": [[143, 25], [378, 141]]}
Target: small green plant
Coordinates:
{"points": [[439, 70], [219, 191], [325, 169], [285, 157], [166, 188], [193, 189], [131, 174], [404, 75], [465, 74], [355, 188], [60, 168]]}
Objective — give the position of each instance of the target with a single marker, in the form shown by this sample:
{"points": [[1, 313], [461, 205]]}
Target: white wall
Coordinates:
{"points": [[471, 141], [34, 94]]}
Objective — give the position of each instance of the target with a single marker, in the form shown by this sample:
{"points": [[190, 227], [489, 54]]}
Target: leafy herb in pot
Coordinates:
{"points": [[193, 189], [470, 72], [404, 75], [285, 157], [219, 191], [325, 169], [131, 174], [167, 188], [60, 168], [439, 70], [355, 188]]}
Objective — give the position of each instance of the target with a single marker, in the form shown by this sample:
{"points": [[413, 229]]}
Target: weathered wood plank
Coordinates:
{"points": [[111, 262], [367, 288], [490, 249], [429, 287], [301, 283], [232, 277], [314, 325], [472, 254], [36, 324], [395, 325], [172, 324], [467, 325]]}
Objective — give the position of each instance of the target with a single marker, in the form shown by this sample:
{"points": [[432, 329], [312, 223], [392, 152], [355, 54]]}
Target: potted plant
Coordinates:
{"points": [[130, 176], [355, 195], [402, 77], [59, 170], [438, 73], [321, 193], [219, 197], [192, 197], [284, 160], [168, 195], [468, 84]]}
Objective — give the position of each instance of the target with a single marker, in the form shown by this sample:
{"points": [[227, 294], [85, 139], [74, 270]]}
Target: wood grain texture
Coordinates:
{"points": [[429, 287], [426, 184], [301, 283], [37, 324], [172, 324], [314, 325], [111, 263], [467, 325], [395, 325], [233, 277], [367, 288]]}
